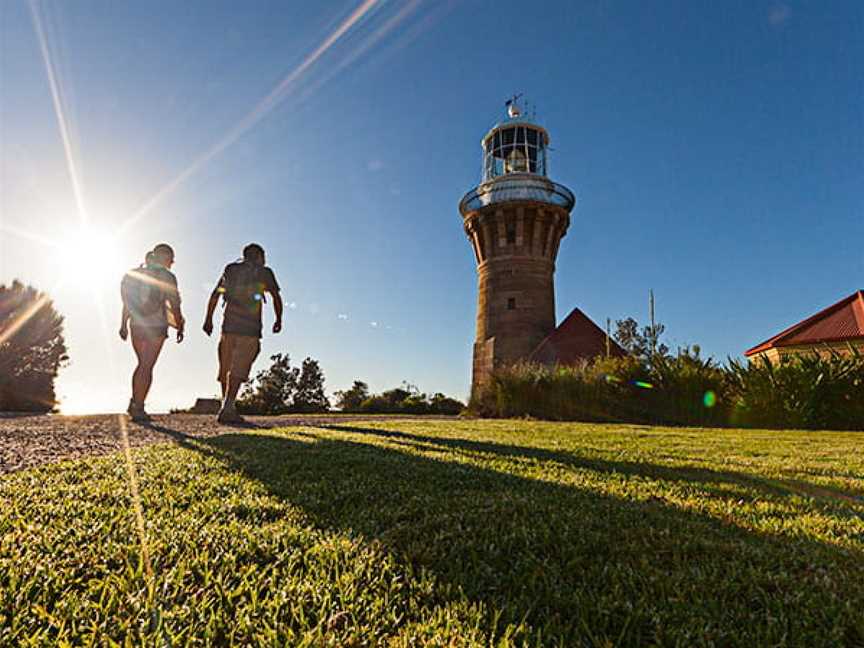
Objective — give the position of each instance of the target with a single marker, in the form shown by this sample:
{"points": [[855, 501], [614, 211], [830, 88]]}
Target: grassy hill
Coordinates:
{"points": [[412, 533]]}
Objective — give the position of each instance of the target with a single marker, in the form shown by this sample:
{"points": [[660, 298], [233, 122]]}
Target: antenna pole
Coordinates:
{"points": [[608, 329], [653, 329]]}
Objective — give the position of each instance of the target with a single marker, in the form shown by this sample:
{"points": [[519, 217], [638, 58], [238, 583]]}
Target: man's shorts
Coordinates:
{"points": [[236, 355]]}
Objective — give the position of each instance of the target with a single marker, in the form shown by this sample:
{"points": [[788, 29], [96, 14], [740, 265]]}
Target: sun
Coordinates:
{"points": [[90, 258]]}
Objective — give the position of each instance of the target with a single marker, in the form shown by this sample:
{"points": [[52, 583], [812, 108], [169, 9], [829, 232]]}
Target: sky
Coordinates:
{"points": [[716, 150]]}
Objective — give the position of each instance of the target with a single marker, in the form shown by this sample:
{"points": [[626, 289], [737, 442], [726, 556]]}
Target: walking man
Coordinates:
{"points": [[242, 287], [151, 302]]}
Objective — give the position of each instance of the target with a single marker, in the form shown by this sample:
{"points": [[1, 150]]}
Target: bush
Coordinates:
{"points": [[32, 349], [350, 400], [282, 388], [599, 392], [406, 399], [809, 392]]}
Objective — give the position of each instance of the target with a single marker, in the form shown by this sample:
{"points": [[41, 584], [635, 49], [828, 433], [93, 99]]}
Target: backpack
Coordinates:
{"points": [[243, 283], [141, 292]]}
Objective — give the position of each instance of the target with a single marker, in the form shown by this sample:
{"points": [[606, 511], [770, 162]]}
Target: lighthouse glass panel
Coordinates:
{"points": [[517, 148]]}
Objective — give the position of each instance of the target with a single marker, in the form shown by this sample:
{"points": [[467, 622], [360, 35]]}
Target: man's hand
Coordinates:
{"points": [[208, 326], [124, 333], [277, 326]]}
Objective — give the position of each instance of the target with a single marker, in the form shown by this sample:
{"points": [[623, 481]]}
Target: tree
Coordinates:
{"points": [[350, 400], [441, 404], [282, 388], [640, 344], [272, 390], [32, 349], [309, 395]]}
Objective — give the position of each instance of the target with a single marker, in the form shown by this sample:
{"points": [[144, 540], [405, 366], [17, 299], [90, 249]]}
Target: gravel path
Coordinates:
{"points": [[27, 441]]}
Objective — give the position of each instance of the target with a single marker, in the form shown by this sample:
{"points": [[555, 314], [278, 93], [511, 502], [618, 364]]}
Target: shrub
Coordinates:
{"points": [[406, 399], [805, 391], [444, 405], [32, 349], [350, 400], [282, 388], [690, 390], [809, 392]]}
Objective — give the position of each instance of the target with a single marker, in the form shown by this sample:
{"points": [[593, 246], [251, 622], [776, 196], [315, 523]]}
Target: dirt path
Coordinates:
{"points": [[27, 441]]}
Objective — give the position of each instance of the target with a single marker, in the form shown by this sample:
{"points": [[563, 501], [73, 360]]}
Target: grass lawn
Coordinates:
{"points": [[444, 533]]}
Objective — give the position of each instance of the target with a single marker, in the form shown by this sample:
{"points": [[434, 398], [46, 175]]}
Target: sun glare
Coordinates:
{"points": [[90, 258]]}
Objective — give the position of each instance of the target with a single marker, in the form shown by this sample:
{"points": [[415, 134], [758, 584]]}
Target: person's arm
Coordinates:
{"points": [[211, 306], [124, 314], [276, 295], [277, 308], [174, 304], [124, 323]]}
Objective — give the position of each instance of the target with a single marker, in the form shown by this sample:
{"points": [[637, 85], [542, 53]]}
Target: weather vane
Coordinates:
{"points": [[513, 109]]}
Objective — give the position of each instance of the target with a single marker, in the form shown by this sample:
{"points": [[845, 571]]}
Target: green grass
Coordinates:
{"points": [[444, 533]]}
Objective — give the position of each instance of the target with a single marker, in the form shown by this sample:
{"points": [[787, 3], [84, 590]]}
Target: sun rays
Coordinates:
{"points": [[275, 97], [59, 110], [23, 317], [87, 252], [381, 19]]}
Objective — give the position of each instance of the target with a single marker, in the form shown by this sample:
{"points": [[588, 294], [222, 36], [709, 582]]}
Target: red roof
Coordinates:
{"points": [[842, 322], [576, 339]]}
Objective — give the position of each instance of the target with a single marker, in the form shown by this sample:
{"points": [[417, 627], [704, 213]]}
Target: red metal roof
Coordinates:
{"points": [[841, 322], [576, 339]]}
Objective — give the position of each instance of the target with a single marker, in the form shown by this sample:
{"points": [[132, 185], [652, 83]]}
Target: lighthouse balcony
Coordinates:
{"points": [[515, 187]]}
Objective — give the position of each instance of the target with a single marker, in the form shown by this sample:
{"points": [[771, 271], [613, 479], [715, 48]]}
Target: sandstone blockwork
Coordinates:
{"points": [[515, 246]]}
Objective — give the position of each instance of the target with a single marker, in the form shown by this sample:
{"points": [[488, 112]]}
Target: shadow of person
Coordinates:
{"points": [[771, 487], [569, 559]]}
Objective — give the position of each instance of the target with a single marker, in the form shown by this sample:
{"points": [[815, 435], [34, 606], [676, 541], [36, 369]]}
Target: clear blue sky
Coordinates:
{"points": [[717, 150]]}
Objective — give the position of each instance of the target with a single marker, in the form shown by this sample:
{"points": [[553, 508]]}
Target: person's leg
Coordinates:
{"points": [[226, 351], [147, 349], [234, 384], [245, 350]]}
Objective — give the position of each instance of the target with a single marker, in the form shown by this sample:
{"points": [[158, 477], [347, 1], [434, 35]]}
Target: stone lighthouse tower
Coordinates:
{"points": [[515, 220]]}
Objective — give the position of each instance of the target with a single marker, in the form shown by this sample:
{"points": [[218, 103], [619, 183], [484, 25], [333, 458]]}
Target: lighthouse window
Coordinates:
{"points": [[511, 303], [515, 149], [511, 234]]}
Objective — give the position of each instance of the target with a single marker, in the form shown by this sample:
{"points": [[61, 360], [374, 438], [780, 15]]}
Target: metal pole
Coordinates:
{"points": [[608, 328], [653, 330]]}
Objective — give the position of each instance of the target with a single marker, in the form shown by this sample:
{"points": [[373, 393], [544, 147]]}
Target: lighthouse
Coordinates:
{"points": [[515, 220]]}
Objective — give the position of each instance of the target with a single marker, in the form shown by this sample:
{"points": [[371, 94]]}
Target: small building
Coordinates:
{"points": [[206, 406], [575, 340], [835, 330]]}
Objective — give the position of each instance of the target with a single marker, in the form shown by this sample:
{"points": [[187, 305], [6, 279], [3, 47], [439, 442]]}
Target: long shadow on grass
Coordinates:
{"points": [[768, 486], [575, 564]]}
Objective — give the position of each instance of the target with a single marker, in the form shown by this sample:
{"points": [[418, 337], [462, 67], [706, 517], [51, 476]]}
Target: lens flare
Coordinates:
{"points": [[709, 399], [62, 121], [15, 325], [643, 385], [268, 103]]}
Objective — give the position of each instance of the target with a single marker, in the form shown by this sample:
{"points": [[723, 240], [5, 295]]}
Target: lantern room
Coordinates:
{"points": [[515, 146]]}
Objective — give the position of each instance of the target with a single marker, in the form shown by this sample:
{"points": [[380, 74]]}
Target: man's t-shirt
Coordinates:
{"points": [[147, 292], [243, 286]]}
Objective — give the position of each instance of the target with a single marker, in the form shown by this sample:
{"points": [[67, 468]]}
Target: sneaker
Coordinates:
{"points": [[229, 416], [136, 413]]}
